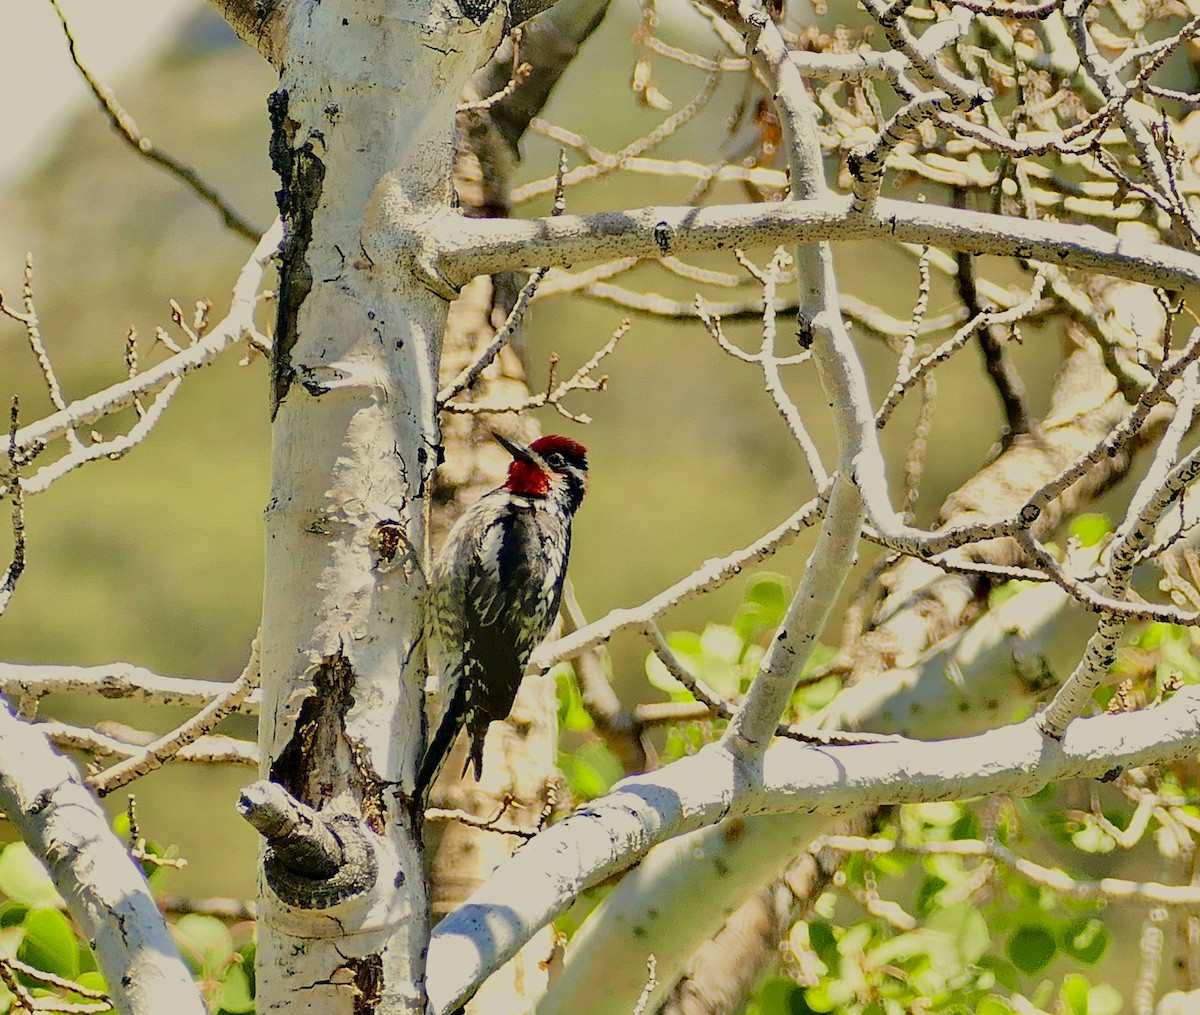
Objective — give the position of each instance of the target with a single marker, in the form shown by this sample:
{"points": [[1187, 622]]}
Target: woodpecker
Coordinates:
{"points": [[495, 588]]}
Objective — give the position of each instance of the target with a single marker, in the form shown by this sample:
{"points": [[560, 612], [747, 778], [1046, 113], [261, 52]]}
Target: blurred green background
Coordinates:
{"points": [[156, 559]]}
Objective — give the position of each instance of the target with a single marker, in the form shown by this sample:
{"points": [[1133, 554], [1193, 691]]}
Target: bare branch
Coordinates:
{"points": [[710, 576], [117, 680], [16, 493], [617, 831], [170, 744], [60, 820], [485, 246], [237, 324], [127, 130]]}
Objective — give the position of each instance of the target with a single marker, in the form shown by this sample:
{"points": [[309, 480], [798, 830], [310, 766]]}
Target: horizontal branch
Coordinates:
{"points": [[238, 323], [115, 680], [211, 749], [610, 835], [1117, 889], [710, 575], [170, 744], [472, 247]]}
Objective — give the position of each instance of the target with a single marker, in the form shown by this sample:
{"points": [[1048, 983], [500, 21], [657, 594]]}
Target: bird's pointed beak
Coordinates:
{"points": [[518, 451]]}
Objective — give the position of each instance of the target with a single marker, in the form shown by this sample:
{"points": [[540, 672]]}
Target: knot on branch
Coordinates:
{"points": [[312, 861], [402, 235]]}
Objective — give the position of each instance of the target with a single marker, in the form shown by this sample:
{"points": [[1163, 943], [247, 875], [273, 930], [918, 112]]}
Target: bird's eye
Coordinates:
{"points": [[555, 460]]}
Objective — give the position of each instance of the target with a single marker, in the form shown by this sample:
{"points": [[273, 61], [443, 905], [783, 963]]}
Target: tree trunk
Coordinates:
{"points": [[363, 141]]}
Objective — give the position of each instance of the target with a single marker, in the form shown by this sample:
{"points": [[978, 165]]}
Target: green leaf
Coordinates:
{"points": [[782, 997], [855, 940], [966, 827], [204, 940], [591, 770], [1085, 940], [816, 696], [684, 643], [571, 713], [1006, 591], [823, 942], [718, 664], [1073, 994], [1003, 971], [23, 878], [1091, 838], [771, 593], [820, 655], [233, 995], [1104, 999], [12, 915], [720, 641], [992, 1005], [659, 676], [93, 981], [966, 927], [682, 741], [1031, 948], [1089, 529], [927, 893], [248, 952], [1177, 656], [49, 943]]}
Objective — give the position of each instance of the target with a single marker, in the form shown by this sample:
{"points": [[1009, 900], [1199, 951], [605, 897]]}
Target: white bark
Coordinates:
{"points": [[115, 680], [956, 690], [488, 245], [612, 834], [363, 129], [105, 891]]}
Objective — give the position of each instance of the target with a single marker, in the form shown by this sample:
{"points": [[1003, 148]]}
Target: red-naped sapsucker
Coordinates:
{"points": [[495, 589]]}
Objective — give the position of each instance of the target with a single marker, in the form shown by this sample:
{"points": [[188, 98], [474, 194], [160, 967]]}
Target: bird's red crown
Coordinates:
{"points": [[556, 442], [527, 477]]}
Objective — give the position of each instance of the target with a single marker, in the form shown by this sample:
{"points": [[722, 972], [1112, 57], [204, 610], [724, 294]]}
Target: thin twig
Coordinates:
{"points": [[127, 128], [711, 575], [170, 744], [581, 380], [520, 71], [16, 494], [648, 990], [1113, 889], [238, 324]]}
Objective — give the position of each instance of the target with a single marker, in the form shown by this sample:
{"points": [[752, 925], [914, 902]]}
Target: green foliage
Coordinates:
{"points": [[928, 929], [35, 930], [1090, 529], [23, 879], [726, 657], [1031, 948], [222, 958], [591, 770], [935, 930], [572, 716], [49, 943], [719, 656], [1084, 940]]}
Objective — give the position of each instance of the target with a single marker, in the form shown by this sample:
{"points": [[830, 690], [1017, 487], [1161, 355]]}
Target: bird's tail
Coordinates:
{"points": [[440, 744]]}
